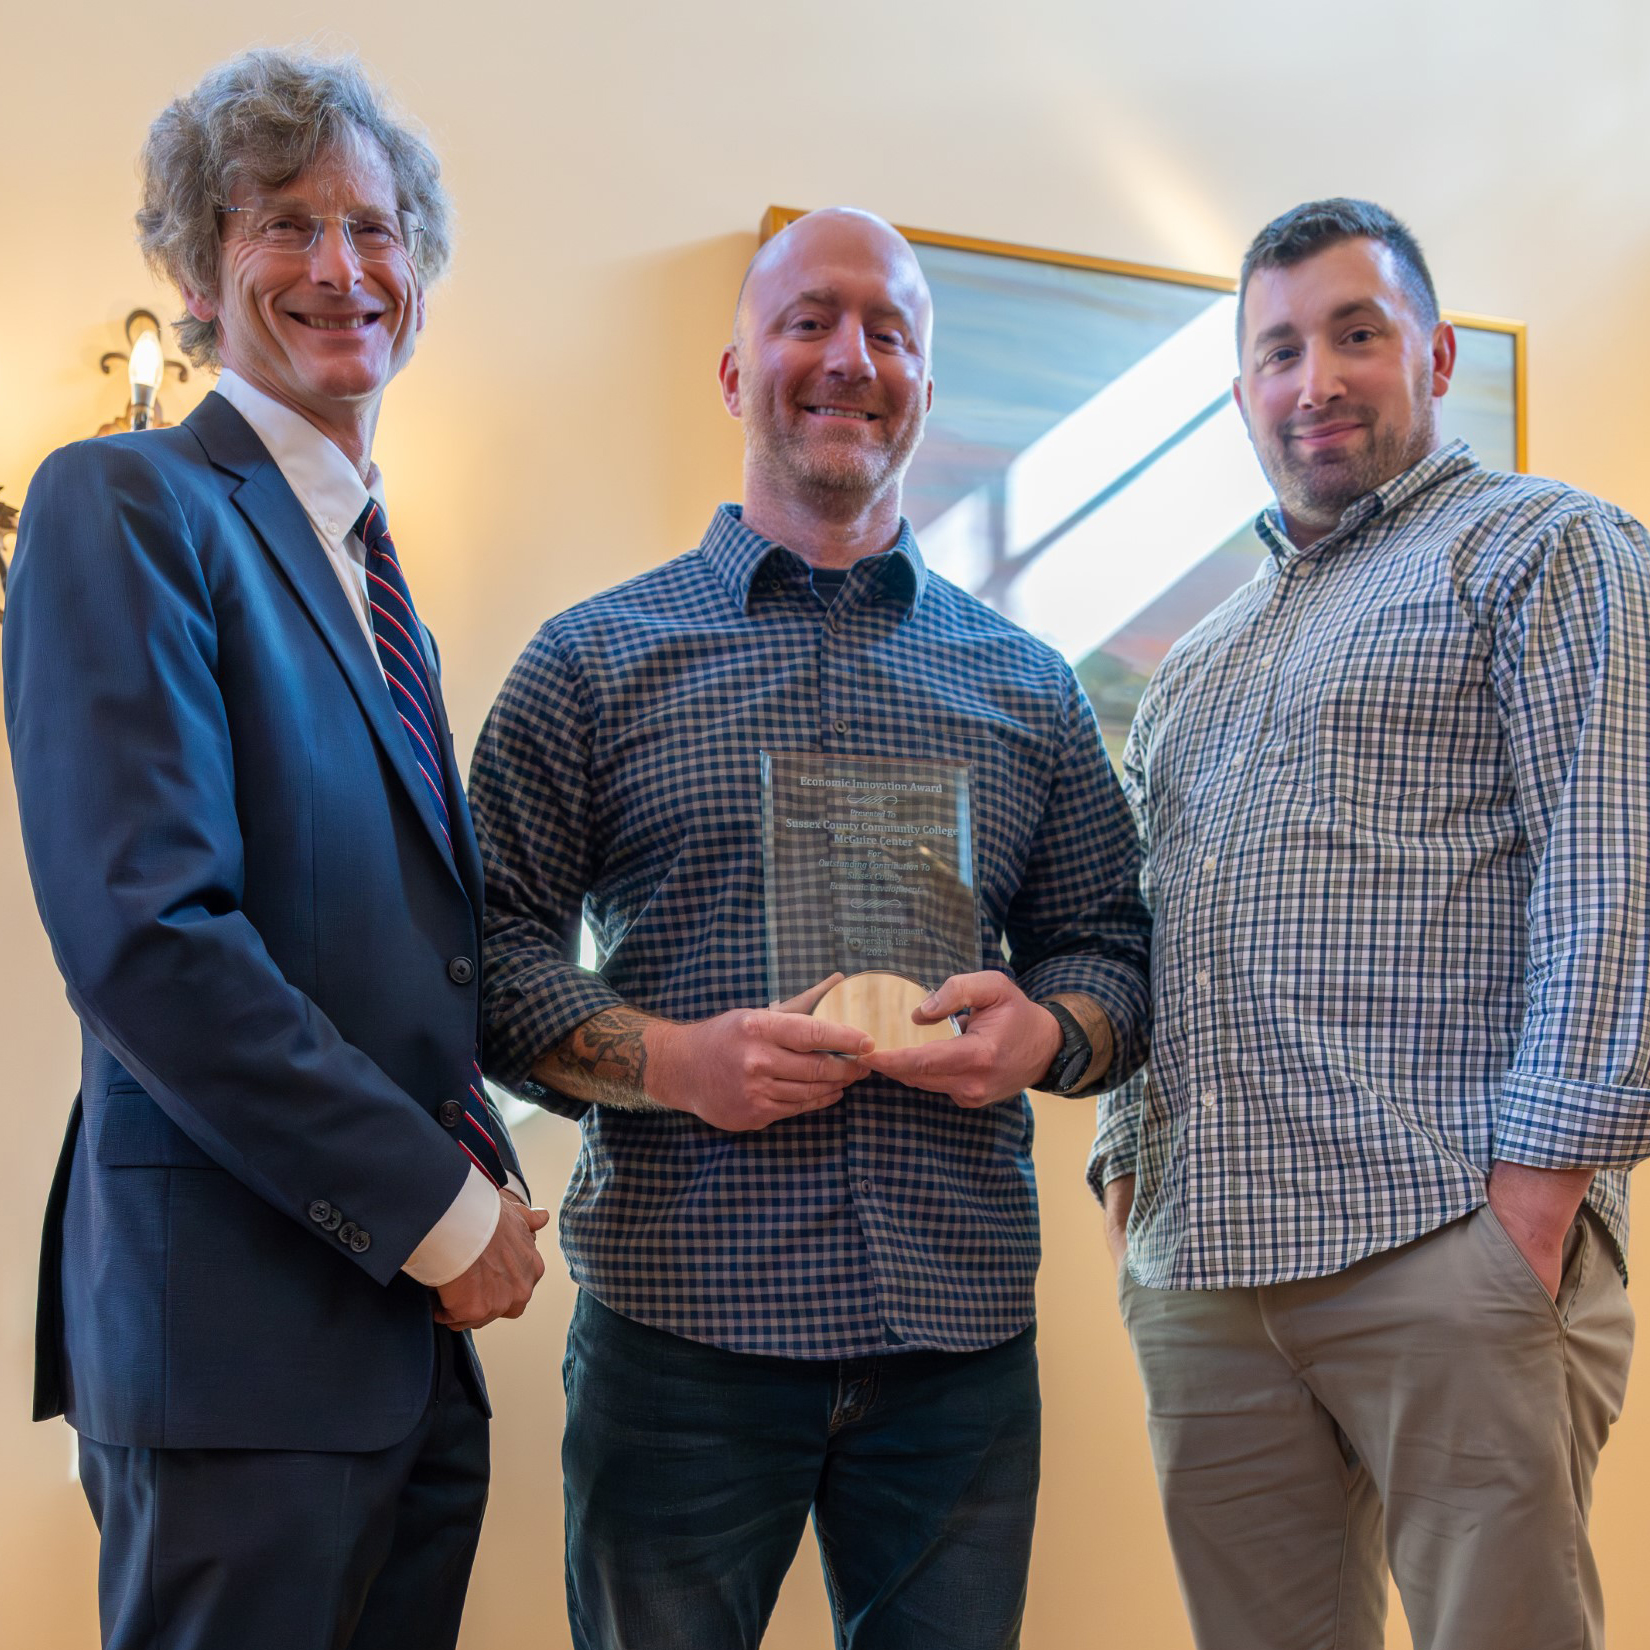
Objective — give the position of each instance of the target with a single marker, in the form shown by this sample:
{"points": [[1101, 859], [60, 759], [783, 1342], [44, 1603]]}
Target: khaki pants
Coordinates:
{"points": [[1437, 1385]]}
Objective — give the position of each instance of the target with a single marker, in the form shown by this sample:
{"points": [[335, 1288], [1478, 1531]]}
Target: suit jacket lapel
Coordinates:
{"points": [[273, 512]]}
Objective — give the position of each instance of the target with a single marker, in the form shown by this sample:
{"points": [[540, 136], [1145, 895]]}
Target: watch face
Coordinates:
{"points": [[1074, 1068]]}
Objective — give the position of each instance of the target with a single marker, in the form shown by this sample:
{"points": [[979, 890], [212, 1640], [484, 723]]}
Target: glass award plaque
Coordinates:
{"points": [[869, 872]]}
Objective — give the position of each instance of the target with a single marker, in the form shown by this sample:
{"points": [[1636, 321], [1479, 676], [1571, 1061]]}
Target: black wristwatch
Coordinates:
{"points": [[1073, 1059]]}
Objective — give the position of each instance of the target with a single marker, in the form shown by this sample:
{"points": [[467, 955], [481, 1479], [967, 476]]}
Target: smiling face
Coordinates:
{"points": [[319, 331], [829, 366], [1339, 379]]}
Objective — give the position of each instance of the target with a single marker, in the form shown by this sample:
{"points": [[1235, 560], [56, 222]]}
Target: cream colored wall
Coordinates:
{"points": [[560, 429]]}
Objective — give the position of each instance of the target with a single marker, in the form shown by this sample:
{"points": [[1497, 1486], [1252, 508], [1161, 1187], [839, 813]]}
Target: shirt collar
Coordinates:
{"points": [[738, 556], [1452, 459], [318, 471]]}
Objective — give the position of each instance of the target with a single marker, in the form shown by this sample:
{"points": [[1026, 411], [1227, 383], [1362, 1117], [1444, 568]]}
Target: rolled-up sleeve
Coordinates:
{"points": [[1571, 669], [1117, 1122], [1077, 923], [530, 795]]}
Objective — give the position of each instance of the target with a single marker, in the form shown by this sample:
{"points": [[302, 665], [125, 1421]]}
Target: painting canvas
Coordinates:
{"points": [[1085, 470]]}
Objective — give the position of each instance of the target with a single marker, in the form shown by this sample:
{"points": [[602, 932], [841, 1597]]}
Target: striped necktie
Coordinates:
{"points": [[473, 1136], [398, 636]]}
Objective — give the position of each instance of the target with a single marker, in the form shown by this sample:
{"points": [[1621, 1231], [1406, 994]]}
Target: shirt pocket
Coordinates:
{"points": [[1404, 722]]}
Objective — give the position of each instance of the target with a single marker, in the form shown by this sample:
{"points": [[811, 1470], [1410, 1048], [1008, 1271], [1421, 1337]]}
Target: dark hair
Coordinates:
{"points": [[1314, 226], [264, 117]]}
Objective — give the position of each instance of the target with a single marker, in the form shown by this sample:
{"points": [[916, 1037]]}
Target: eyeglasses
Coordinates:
{"points": [[374, 237]]}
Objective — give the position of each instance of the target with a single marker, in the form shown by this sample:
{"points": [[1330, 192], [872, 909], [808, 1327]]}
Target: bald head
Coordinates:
{"points": [[828, 373], [842, 237]]}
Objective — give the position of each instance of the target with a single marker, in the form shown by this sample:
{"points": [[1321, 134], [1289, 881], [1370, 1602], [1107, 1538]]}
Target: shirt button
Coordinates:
{"points": [[330, 525], [461, 971], [1266, 661], [1237, 759], [1202, 979], [839, 725], [865, 1186], [1208, 1099], [836, 625], [1209, 863]]}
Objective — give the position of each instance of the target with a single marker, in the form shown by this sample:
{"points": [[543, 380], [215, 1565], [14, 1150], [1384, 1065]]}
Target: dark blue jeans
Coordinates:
{"points": [[690, 1471]]}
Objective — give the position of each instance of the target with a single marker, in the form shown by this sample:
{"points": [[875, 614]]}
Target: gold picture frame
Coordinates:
{"points": [[1084, 469]]}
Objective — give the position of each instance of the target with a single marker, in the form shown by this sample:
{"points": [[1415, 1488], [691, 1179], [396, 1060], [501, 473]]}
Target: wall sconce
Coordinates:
{"points": [[8, 535], [146, 366]]}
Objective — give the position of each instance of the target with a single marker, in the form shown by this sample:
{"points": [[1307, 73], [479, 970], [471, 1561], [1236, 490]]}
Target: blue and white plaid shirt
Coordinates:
{"points": [[619, 773], [1395, 798]]}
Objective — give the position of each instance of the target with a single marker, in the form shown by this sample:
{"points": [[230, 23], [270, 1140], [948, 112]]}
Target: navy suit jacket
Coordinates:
{"points": [[271, 952]]}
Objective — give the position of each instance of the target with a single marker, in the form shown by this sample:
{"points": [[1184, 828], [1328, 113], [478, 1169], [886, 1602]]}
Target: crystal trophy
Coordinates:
{"points": [[869, 872]]}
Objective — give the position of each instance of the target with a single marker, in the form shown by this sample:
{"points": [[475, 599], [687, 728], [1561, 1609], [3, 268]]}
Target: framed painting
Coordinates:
{"points": [[1085, 469]]}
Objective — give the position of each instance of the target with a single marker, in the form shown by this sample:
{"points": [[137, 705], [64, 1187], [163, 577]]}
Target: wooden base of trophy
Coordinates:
{"points": [[880, 1004]]}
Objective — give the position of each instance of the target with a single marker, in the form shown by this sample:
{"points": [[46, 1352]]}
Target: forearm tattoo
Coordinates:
{"points": [[603, 1059]]}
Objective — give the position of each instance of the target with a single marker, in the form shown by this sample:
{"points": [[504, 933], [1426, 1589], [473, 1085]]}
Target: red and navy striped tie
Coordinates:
{"points": [[400, 642], [475, 1138], [399, 638]]}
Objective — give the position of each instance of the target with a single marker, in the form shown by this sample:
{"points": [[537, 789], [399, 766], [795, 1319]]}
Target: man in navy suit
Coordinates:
{"points": [[283, 1197]]}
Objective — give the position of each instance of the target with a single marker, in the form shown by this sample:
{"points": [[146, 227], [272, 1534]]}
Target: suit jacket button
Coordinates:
{"points": [[347, 1231], [450, 1113], [335, 1219], [360, 1243], [461, 970], [319, 1210]]}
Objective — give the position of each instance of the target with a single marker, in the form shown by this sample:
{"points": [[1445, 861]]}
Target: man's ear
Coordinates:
{"points": [[928, 404], [727, 375], [1443, 357], [1237, 396], [201, 305]]}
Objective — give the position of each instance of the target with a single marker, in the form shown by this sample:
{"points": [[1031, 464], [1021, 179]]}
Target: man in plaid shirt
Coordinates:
{"points": [[806, 1281], [1393, 793]]}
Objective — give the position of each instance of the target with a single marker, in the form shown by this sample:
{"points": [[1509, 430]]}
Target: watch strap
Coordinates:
{"points": [[1076, 1051]]}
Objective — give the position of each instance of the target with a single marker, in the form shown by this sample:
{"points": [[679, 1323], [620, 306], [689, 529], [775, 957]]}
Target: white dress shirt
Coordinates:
{"points": [[333, 494]]}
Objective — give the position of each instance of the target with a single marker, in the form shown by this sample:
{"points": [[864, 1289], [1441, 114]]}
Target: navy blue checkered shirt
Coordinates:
{"points": [[618, 776], [1398, 840]]}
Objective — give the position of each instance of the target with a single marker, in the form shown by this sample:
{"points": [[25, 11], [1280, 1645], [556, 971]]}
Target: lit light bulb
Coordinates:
{"points": [[145, 370]]}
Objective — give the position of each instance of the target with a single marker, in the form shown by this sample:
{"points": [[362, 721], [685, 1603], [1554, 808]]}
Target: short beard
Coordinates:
{"points": [[834, 483], [1319, 493]]}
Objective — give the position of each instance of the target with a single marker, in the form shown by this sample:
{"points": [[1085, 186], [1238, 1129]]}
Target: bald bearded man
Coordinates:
{"points": [[806, 1277]]}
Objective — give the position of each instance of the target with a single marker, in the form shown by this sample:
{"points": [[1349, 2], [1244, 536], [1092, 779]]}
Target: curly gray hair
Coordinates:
{"points": [[263, 118]]}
